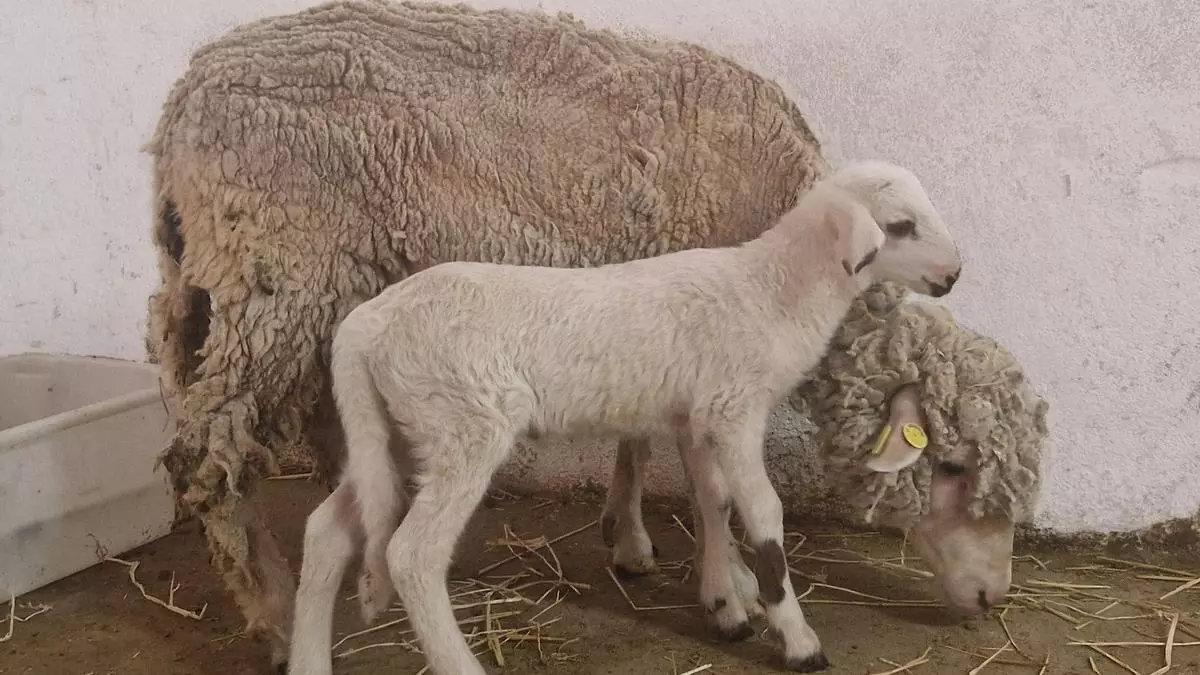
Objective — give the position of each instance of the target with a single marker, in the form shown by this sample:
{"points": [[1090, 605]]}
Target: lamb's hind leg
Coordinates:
{"points": [[331, 537], [453, 478], [621, 524]]}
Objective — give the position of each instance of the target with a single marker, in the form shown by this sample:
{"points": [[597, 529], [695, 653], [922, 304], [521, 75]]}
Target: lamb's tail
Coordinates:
{"points": [[369, 467]]}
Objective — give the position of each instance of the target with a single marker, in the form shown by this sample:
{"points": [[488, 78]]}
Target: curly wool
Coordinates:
{"points": [[978, 406]]}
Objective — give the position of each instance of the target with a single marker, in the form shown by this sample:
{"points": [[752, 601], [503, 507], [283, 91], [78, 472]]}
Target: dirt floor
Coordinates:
{"points": [[871, 612]]}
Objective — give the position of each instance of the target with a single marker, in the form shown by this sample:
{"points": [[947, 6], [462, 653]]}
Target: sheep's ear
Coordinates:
{"points": [[903, 438], [859, 237]]}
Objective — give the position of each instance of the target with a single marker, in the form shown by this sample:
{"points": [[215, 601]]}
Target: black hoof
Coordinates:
{"points": [[281, 668], [654, 549], [812, 664], [740, 632]]}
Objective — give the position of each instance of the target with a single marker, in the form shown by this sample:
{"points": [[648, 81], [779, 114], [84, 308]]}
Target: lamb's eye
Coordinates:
{"points": [[902, 228], [951, 468]]}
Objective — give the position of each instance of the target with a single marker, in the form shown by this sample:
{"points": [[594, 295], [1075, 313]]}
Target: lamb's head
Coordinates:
{"points": [[931, 428], [917, 249]]}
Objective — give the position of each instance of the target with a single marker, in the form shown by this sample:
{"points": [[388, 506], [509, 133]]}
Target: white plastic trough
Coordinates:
{"points": [[78, 442]]}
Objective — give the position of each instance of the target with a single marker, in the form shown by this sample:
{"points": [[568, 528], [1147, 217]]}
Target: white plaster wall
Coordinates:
{"points": [[1061, 140]]}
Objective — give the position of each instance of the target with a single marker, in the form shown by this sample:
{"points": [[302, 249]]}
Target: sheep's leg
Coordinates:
{"points": [[624, 496], [452, 483], [742, 579], [621, 524], [739, 451], [710, 498], [332, 536], [245, 553]]}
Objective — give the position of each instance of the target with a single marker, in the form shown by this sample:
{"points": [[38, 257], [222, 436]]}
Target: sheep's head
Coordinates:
{"points": [[916, 248], [961, 464]]}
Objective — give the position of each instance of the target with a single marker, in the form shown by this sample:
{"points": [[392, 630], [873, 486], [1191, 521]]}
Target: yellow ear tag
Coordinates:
{"points": [[915, 435], [884, 435]]}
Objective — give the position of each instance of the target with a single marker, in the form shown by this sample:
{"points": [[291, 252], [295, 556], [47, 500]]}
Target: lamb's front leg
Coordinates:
{"points": [[738, 450], [621, 524]]}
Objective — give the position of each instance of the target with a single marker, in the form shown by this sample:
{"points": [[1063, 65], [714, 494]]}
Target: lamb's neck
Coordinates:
{"points": [[812, 292]]}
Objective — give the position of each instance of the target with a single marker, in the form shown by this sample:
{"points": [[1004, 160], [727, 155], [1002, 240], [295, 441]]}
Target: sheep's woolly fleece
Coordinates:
{"points": [[304, 162], [978, 405]]}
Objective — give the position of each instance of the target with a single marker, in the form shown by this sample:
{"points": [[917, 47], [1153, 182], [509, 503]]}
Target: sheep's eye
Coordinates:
{"points": [[951, 468], [902, 228]]}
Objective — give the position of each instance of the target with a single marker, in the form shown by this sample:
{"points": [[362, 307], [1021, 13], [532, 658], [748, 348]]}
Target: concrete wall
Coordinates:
{"points": [[1061, 140]]}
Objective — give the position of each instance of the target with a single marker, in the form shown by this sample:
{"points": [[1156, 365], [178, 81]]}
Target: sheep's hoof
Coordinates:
{"points": [[741, 631], [645, 568], [755, 610], [281, 668], [811, 664]]}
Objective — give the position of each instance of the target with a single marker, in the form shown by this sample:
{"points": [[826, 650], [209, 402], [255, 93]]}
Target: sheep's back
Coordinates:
{"points": [[428, 133]]}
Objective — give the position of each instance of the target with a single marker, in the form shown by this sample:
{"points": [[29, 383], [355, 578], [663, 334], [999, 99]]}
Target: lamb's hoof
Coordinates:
{"points": [[654, 549], [812, 664], [740, 632], [281, 668]]}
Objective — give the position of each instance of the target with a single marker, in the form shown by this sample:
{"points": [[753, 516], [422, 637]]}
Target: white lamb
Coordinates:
{"points": [[463, 358]]}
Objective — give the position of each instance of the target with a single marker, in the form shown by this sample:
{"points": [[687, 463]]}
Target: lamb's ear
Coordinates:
{"points": [[903, 439], [859, 237]]}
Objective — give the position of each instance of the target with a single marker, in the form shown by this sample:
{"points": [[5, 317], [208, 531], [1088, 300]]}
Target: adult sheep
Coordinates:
{"points": [[305, 162]]}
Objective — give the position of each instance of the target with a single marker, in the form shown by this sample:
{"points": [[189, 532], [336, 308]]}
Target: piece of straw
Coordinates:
{"points": [[172, 587], [517, 556], [12, 615], [493, 643], [1057, 584], [1082, 643], [980, 667], [1170, 645], [698, 669], [1004, 625], [680, 525], [868, 596], [1115, 660], [1034, 560], [634, 605], [292, 476], [1147, 566], [919, 661], [13, 619], [1183, 587]]}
